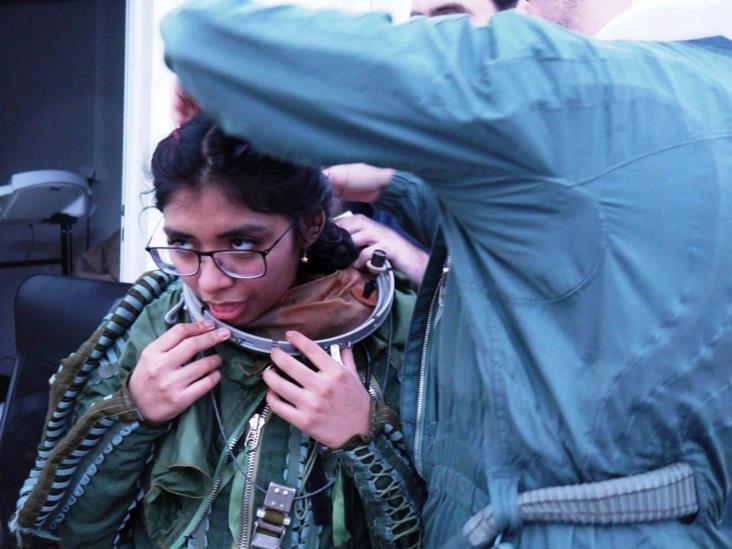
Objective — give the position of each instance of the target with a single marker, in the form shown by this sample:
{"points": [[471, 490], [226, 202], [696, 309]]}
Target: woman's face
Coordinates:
{"points": [[210, 220]]}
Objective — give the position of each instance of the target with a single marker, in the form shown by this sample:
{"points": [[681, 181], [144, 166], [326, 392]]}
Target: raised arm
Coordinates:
{"points": [[326, 88], [501, 122], [403, 195]]}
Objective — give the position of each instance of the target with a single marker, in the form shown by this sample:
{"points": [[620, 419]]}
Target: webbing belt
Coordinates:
{"points": [[663, 494]]}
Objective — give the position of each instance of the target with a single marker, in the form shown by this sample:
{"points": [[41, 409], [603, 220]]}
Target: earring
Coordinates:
{"points": [[304, 258]]}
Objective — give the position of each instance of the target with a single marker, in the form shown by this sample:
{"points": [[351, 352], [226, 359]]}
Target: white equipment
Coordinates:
{"points": [[38, 196], [46, 196]]}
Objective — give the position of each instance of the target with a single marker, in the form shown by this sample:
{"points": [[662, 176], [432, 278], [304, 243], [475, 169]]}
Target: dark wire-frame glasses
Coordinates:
{"points": [[234, 263]]}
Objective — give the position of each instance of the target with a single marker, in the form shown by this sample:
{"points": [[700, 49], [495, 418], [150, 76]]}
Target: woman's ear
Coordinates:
{"points": [[312, 227]]}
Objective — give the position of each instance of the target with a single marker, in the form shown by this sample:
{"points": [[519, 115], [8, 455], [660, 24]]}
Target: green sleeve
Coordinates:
{"points": [[487, 117], [117, 485], [92, 504], [411, 202], [386, 482], [103, 510], [325, 88], [389, 489]]}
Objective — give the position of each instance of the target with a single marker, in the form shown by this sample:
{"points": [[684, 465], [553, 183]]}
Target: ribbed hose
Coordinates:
{"points": [[663, 494]]}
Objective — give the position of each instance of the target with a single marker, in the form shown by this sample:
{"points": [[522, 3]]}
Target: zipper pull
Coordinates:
{"points": [[256, 422]]}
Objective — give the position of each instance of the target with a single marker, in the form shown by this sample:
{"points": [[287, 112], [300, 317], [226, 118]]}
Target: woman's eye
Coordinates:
{"points": [[242, 244], [178, 243]]}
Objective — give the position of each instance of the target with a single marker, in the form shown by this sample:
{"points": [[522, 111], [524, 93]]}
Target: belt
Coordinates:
{"points": [[662, 494]]}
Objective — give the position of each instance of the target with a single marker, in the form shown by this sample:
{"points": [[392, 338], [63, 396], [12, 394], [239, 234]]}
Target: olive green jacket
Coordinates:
{"points": [[104, 477]]}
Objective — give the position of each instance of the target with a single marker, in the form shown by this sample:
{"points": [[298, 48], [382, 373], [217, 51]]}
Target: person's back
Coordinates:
{"points": [[592, 293], [584, 191]]}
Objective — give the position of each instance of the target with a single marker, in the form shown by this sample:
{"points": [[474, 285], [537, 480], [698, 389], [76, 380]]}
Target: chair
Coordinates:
{"points": [[54, 315]]}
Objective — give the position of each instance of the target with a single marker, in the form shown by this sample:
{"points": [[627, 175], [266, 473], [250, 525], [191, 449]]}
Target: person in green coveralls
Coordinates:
{"points": [[169, 429], [566, 382]]}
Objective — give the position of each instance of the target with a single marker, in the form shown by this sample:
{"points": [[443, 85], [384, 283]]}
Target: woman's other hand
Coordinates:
{"points": [[358, 182], [371, 235], [329, 403], [164, 383]]}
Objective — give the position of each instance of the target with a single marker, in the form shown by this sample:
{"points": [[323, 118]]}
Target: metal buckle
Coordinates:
{"points": [[273, 517]]}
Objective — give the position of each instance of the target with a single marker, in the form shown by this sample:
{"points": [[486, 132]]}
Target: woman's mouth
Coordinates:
{"points": [[227, 311]]}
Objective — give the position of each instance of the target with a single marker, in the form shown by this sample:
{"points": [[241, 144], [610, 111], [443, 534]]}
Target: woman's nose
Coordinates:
{"points": [[212, 279]]}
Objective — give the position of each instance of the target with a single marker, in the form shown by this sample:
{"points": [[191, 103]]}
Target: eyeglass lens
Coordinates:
{"points": [[184, 262]]}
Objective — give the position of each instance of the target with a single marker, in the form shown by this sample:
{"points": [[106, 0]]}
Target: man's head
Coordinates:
{"points": [[585, 16], [480, 11]]}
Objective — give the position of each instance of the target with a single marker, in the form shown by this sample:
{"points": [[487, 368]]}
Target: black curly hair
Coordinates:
{"points": [[200, 154]]}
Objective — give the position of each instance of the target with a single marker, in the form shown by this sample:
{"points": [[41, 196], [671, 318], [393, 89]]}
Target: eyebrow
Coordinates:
{"points": [[238, 231], [445, 9]]}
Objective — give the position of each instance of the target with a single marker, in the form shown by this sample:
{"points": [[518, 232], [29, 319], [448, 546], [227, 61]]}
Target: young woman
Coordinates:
{"points": [[171, 427]]}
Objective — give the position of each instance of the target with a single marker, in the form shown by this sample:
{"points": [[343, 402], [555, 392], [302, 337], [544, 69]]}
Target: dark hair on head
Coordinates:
{"points": [[505, 4], [200, 154]]}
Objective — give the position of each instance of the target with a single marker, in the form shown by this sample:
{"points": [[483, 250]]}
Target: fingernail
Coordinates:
{"points": [[208, 324], [290, 334], [223, 333]]}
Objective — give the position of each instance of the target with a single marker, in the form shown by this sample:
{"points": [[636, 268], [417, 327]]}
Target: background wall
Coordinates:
{"points": [[61, 107]]}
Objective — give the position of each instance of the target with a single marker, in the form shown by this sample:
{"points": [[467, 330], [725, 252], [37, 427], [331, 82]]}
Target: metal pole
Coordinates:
{"points": [[67, 256]]}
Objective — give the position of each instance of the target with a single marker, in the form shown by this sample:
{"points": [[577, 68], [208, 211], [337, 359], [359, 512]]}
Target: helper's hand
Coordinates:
{"points": [[330, 404], [358, 182], [164, 384], [184, 106], [372, 235]]}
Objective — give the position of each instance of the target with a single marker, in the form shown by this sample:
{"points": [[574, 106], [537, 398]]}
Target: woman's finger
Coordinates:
{"points": [[349, 363], [283, 388], [197, 369], [283, 409], [179, 333], [191, 346], [199, 388], [294, 368], [312, 351]]}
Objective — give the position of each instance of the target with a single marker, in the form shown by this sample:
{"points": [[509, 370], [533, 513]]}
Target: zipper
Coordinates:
{"points": [[217, 483], [419, 427], [373, 389], [204, 509], [251, 446]]}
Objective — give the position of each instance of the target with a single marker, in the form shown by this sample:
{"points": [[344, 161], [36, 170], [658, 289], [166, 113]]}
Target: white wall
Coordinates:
{"points": [[148, 92]]}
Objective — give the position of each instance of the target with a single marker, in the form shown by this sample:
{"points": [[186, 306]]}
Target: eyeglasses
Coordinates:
{"points": [[234, 263]]}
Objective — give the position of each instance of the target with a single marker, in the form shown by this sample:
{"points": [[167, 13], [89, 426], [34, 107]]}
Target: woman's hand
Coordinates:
{"points": [[358, 182], [164, 384], [372, 235], [330, 404]]}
